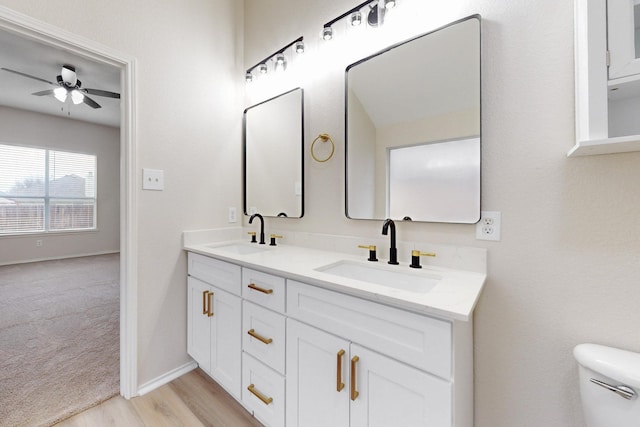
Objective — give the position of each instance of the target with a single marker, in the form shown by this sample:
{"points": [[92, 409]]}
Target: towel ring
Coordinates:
{"points": [[324, 137]]}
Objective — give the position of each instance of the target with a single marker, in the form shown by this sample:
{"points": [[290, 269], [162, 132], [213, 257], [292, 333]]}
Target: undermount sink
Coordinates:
{"points": [[412, 281], [239, 249]]}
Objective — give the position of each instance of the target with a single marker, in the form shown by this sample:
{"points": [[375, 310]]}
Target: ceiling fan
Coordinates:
{"points": [[68, 84]]}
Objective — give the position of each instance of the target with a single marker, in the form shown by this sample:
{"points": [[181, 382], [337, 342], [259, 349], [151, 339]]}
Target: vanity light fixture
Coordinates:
{"points": [[375, 15], [279, 58]]}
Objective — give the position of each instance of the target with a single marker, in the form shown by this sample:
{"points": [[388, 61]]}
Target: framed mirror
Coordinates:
{"points": [[413, 140], [273, 156]]}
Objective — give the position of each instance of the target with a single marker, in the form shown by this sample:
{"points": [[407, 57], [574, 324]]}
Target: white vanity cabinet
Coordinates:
{"points": [[214, 319], [298, 355]]}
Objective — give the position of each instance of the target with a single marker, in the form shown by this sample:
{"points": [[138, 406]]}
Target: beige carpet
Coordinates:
{"points": [[59, 338]]}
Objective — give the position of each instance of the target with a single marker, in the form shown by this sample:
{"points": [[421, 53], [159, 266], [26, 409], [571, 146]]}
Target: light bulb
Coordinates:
{"points": [[263, 68], [280, 59], [389, 4], [356, 18], [327, 33], [248, 77], [300, 47], [76, 96], [60, 93]]}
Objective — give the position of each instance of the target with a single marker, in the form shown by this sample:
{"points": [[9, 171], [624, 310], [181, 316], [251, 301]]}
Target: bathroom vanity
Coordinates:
{"points": [[299, 341]]}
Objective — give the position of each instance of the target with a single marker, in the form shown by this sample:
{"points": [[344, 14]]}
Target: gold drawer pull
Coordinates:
{"points": [[354, 392], [256, 393], [259, 289], [252, 332], [210, 308], [204, 302], [339, 383]]}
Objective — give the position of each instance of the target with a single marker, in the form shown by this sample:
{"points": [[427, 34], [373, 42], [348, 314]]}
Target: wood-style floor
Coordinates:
{"points": [[191, 400]]}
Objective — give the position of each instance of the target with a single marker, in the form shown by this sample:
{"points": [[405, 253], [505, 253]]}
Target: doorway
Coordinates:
{"points": [[42, 32]]}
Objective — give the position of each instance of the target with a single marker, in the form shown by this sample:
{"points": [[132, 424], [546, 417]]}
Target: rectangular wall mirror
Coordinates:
{"points": [[413, 129], [273, 158]]}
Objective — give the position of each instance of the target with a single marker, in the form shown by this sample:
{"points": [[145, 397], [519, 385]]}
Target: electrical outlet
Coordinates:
{"points": [[233, 215], [488, 228], [38, 243]]}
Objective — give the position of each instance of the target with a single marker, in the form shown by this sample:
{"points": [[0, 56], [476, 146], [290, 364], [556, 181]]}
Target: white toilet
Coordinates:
{"points": [[609, 385]]}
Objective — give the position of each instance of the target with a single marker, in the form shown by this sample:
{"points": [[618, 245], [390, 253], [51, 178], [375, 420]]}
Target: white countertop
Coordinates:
{"points": [[453, 297]]}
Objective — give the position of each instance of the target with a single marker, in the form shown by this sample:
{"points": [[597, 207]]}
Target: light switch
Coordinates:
{"points": [[152, 179]]}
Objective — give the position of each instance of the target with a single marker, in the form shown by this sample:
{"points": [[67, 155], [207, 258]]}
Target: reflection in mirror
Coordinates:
{"points": [[413, 129], [273, 160]]}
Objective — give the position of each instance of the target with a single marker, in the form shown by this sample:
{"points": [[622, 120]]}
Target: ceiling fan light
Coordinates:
{"points": [[77, 97], [60, 93]]}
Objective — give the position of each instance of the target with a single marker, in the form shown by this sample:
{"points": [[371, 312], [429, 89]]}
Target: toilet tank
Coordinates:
{"points": [[612, 367]]}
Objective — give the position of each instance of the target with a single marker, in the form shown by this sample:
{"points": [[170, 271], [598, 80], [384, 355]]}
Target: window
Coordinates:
{"points": [[45, 190]]}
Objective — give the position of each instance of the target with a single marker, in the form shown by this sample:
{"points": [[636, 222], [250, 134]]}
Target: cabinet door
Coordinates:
{"points": [[199, 323], [226, 340], [623, 37], [316, 363], [391, 393]]}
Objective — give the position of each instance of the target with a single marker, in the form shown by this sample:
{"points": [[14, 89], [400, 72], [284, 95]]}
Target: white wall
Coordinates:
{"points": [[40, 130], [189, 119], [567, 268]]}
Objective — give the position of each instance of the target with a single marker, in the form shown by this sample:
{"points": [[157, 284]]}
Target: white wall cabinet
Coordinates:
{"points": [[310, 357], [607, 72]]}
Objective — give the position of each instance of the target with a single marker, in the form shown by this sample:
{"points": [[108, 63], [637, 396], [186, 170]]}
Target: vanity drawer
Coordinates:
{"points": [[222, 274], [265, 325], [265, 384], [421, 341], [263, 289]]}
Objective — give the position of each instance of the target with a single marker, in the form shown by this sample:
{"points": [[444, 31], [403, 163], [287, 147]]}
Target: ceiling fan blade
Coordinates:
{"points": [[90, 102], [44, 92], [28, 76], [99, 92]]}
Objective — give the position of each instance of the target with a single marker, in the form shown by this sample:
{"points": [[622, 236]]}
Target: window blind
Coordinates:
{"points": [[46, 190]]}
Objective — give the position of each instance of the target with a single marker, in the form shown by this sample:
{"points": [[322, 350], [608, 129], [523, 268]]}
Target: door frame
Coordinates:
{"points": [[43, 32]]}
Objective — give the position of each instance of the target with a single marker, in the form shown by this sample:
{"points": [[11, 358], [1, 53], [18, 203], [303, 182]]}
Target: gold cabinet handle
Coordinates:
{"points": [[256, 393], [204, 302], [259, 289], [354, 392], [210, 308], [339, 383], [253, 333]]}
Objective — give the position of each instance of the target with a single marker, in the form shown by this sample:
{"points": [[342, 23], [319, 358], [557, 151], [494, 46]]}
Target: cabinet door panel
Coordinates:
{"points": [[312, 363], [199, 324], [394, 394], [226, 341]]}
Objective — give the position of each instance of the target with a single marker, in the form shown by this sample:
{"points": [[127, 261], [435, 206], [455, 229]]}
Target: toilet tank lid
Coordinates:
{"points": [[619, 365]]}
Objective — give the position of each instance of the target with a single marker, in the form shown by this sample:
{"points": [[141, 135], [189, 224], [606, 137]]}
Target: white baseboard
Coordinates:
{"points": [[166, 378], [55, 258]]}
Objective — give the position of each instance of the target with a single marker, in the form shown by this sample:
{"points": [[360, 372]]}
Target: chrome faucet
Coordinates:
{"points": [[393, 251], [262, 242]]}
